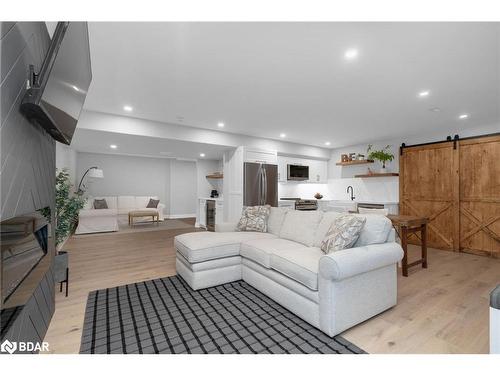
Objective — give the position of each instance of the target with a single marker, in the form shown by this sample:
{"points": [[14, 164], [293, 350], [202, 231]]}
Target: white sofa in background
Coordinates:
{"points": [[91, 220], [332, 292]]}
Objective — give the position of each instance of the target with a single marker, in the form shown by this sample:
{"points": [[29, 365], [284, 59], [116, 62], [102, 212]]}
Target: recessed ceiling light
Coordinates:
{"points": [[127, 108], [435, 109], [113, 146], [351, 54], [75, 88], [282, 135], [327, 143], [423, 94], [220, 125], [464, 116], [202, 155]]}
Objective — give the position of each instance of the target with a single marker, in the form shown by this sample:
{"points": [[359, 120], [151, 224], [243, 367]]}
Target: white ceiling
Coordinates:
{"points": [[99, 142], [263, 79]]}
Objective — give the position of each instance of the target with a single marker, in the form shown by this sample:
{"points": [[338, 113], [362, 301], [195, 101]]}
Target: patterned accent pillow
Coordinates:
{"points": [[343, 233], [100, 204], [254, 219]]}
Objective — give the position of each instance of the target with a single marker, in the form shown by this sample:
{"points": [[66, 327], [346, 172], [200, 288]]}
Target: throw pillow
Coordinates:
{"points": [[153, 203], [100, 204], [254, 219], [343, 233]]}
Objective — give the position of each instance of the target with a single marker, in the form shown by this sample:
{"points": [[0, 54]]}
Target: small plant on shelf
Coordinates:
{"points": [[384, 155]]}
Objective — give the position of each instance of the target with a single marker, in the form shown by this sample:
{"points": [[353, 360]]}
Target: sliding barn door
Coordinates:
{"points": [[480, 196], [429, 187]]}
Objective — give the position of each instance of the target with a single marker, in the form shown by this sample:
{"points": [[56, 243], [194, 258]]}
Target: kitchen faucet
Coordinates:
{"points": [[352, 192]]}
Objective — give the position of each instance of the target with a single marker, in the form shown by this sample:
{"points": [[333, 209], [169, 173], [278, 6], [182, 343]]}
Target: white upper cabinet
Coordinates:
{"points": [[253, 155], [318, 171]]}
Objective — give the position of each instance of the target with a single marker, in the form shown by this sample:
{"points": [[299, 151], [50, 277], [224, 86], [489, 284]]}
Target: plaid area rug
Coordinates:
{"points": [[167, 316]]}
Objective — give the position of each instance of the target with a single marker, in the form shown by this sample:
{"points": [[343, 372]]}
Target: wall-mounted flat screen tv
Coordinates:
{"points": [[57, 93]]}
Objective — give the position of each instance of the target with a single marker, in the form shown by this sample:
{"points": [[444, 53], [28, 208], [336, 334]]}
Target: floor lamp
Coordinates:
{"points": [[92, 172]]}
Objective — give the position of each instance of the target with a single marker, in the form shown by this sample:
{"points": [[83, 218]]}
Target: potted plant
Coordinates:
{"points": [[383, 155], [68, 205]]}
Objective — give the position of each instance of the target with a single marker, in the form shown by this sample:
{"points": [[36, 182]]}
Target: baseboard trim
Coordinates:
{"points": [[181, 216]]}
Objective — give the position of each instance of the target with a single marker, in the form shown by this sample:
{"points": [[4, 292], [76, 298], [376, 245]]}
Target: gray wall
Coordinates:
{"points": [[27, 159], [127, 175], [183, 188], [66, 159]]}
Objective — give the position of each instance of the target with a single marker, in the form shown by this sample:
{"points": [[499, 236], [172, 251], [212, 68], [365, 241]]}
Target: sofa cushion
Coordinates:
{"points": [[275, 219], [98, 213], [142, 202], [300, 226], [100, 204], [153, 203], [323, 227], [110, 201], [202, 246], [299, 264], [376, 230], [126, 203], [260, 250]]}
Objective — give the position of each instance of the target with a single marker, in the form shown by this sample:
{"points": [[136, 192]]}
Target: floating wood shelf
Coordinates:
{"points": [[215, 176], [354, 162], [376, 175]]}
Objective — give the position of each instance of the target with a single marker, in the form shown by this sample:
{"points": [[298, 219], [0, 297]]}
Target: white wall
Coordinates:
{"points": [[127, 175], [205, 186], [66, 158], [183, 188]]}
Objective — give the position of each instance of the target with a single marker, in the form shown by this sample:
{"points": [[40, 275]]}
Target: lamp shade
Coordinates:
{"points": [[96, 173]]}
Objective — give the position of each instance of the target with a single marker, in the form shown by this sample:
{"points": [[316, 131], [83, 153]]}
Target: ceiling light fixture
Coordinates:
{"points": [[220, 125], [282, 135], [113, 146], [127, 108], [351, 54], [464, 116], [327, 143], [423, 94], [75, 88], [202, 155]]}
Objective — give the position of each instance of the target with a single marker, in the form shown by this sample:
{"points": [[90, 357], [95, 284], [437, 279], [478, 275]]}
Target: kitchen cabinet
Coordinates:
{"points": [[201, 220], [202, 213], [318, 171], [252, 155]]}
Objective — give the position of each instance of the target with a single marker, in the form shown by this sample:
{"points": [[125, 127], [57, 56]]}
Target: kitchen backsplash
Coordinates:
{"points": [[383, 189]]}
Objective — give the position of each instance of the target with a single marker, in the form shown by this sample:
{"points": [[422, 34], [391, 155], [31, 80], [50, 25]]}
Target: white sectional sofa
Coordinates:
{"points": [[91, 220], [332, 292]]}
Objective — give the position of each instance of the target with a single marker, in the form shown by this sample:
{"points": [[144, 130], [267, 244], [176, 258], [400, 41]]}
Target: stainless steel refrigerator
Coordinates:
{"points": [[260, 183]]}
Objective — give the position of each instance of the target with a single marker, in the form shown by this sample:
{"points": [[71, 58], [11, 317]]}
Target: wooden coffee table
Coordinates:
{"points": [[142, 213], [407, 225]]}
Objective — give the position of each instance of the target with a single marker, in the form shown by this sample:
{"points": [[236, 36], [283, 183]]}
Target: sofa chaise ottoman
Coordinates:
{"points": [[332, 292]]}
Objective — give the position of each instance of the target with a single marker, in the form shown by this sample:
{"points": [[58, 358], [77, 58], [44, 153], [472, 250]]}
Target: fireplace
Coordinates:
{"points": [[24, 245]]}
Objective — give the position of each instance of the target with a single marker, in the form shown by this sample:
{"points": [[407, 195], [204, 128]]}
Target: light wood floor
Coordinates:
{"points": [[443, 309]]}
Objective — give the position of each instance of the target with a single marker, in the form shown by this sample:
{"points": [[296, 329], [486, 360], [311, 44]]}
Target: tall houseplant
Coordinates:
{"points": [[68, 204], [383, 155]]}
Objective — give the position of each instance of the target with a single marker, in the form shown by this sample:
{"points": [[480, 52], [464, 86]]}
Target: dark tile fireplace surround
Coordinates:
{"points": [[27, 169]]}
